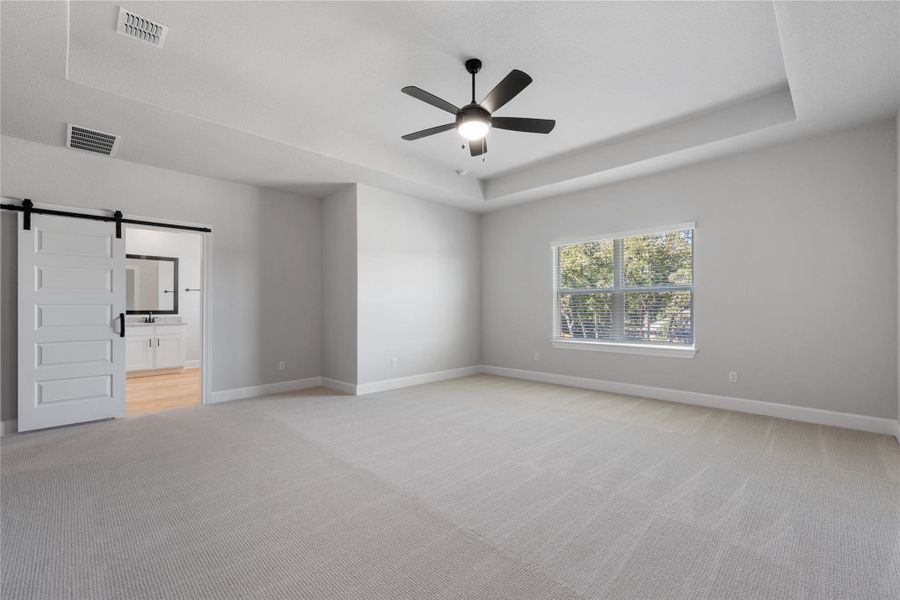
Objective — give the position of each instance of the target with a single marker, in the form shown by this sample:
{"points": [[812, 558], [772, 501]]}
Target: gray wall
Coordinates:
{"points": [[266, 253], [339, 291], [795, 266], [419, 286]]}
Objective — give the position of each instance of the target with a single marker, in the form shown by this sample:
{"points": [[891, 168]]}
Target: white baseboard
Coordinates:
{"points": [[757, 407], [8, 427], [339, 386], [263, 390], [402, 382], [782, 411], [192, 364]]}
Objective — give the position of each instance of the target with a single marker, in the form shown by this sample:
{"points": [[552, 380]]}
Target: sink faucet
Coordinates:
{"points": [[149, 318]]}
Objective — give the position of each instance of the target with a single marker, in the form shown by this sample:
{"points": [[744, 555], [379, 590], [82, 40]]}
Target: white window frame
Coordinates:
{"points": [[664, 350]]}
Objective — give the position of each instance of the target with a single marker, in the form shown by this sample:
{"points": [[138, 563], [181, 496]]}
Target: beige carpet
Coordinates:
{"points": [[481, 488]]}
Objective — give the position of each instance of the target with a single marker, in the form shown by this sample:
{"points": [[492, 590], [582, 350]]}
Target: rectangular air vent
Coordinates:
{"points": [[89, 140], [141, 28]]}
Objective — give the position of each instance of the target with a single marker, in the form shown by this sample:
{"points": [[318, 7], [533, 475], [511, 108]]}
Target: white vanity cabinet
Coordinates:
{"points": [[150, 346], [139, 348]]}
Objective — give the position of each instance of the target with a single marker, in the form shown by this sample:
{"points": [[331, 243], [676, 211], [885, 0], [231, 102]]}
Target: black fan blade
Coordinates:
{"points": [[420, 94], [526, 125], [506, 90], [478, 147], [426, 132]]}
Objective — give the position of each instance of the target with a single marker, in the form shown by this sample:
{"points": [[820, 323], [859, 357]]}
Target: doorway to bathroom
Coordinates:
{"points": [[164, 274]]}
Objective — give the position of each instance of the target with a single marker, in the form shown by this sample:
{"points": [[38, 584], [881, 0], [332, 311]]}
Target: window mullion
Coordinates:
{"points": [[618, 297]]}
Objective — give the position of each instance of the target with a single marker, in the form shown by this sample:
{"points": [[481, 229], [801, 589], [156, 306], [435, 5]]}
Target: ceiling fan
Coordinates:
{"points": [[474, 121]]}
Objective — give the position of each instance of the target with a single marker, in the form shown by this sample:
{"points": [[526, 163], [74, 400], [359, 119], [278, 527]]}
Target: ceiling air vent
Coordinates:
{"points": [[89, 140], [141, 28]]}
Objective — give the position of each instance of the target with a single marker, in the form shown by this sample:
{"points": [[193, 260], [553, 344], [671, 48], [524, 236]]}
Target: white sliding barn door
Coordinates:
{"points": [[71, 293]]}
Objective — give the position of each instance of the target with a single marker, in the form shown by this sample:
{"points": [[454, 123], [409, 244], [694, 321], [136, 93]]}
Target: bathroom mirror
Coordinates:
{"points": [[151, 284]]}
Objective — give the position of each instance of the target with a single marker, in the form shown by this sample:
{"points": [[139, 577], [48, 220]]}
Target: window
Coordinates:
{"points": [[632, 293]]}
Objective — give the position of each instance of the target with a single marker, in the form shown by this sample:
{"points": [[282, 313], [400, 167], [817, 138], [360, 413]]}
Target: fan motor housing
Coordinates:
{"points": [[472, 112]]}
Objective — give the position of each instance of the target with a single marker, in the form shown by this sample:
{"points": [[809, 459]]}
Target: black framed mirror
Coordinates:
{"points": [[151, 284]]}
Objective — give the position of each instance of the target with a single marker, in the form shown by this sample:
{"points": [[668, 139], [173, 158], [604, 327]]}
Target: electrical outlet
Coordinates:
{"points": [[281, 365], [732, 376], [537, 356], [394, 361]]}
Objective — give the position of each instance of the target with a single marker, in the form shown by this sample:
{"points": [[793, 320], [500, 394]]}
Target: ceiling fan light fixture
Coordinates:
{"points": [[473, 130], [473, 122]]}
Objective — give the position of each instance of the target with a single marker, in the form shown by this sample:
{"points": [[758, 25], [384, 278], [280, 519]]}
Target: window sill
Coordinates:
{"points": [[623, 348]]}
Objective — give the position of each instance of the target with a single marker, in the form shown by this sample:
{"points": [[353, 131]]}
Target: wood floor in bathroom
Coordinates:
{"points": [[153, 393]]}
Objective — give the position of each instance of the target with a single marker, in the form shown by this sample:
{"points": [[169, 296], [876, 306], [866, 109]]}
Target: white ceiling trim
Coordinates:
{"points": [[712, 125]]}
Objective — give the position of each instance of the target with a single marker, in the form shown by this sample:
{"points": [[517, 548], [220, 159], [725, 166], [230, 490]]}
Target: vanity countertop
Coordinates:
{"points": [[161, 323]]}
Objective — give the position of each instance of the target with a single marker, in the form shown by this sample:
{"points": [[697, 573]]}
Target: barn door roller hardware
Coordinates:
{"points": [[28, 209]]}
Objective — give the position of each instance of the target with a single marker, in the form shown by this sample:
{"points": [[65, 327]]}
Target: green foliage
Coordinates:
{"points": [[658, 259], [587, 265]]}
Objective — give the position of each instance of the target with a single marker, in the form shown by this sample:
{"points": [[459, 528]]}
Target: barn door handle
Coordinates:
{"points": [[121, 324]]}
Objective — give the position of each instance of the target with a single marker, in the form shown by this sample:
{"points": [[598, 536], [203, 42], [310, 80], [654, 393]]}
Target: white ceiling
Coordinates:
{"points": [[328, 76], [305, 96]]}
